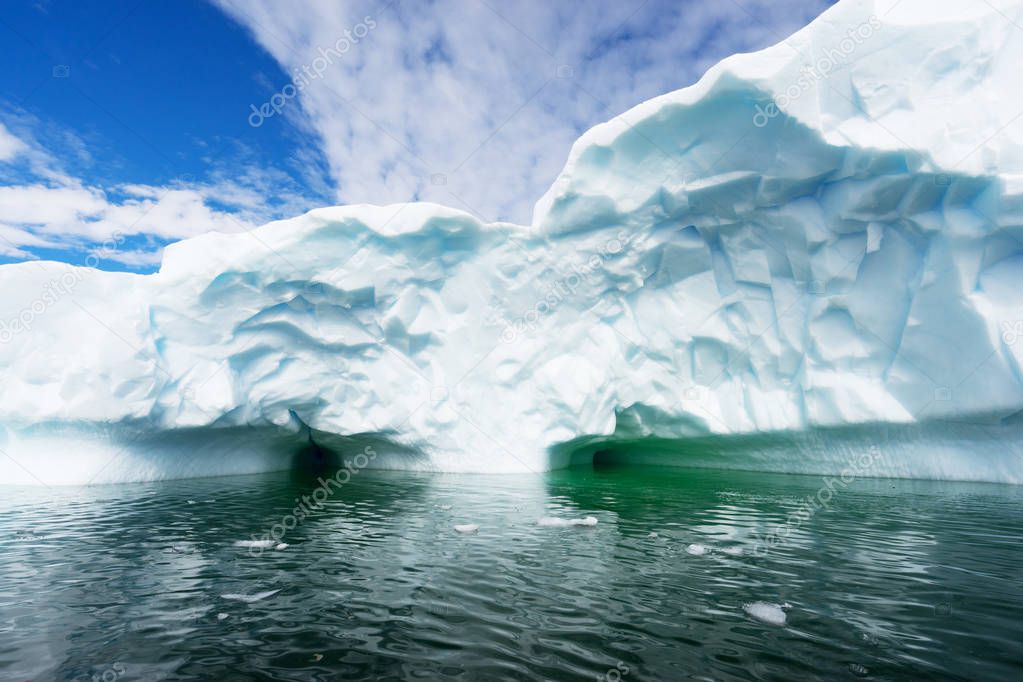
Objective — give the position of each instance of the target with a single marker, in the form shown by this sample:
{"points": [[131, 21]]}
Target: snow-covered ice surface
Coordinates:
{"points": [[809, 261]]}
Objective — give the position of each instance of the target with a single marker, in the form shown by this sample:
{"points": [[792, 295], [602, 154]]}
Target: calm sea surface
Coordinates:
{"points": [[686, 574]]}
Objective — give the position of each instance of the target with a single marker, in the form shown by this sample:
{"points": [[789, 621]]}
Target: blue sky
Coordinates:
{"points": [[126, 125]]}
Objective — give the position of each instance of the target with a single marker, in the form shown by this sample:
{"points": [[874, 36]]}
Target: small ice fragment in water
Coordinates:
{"points": [[191, 501], [221, 616], [858, 670], [652, 535], [553, 522], [281, 545], [467, 528], [696, 549], [444, 507], [734, 551], [259, 544], [250, 598], [768, 613]]}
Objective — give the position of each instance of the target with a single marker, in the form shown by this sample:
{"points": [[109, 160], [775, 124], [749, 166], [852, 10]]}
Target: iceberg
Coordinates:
{"points": [[809, 261]]}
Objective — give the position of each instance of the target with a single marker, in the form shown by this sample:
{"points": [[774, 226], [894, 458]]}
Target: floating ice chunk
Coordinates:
{"points": [[281, 545], [255, 544], [251, 598], [221, 616], [191, 501], [444, 507], [697, 549], [554, 522], [734, 551], [467, 528], [772, 614], [652, 535]]}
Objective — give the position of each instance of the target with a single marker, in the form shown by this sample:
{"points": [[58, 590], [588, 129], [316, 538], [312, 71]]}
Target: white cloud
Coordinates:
{"points": [[79, 216], [43, 206], [470, 90], [13, 238], [10, 146], [164, 213]]}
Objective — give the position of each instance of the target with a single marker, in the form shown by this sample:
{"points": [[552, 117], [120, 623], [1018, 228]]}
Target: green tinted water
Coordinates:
{"points": [[888, 580]]}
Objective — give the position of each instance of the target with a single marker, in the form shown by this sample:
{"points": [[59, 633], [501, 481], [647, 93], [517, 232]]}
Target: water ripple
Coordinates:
{"points": [[892, 580]]}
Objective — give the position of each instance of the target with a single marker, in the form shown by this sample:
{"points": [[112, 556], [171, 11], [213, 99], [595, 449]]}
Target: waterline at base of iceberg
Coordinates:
{"points": [[976, 450], [981, 450]]}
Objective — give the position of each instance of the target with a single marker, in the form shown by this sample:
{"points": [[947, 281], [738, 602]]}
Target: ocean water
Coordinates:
{"points": [[685, 574]]}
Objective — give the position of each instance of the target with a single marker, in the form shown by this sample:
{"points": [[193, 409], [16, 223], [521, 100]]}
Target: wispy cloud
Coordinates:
{"points": [[45, 206], [10, 146], [476, 104], [473, 104]]}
